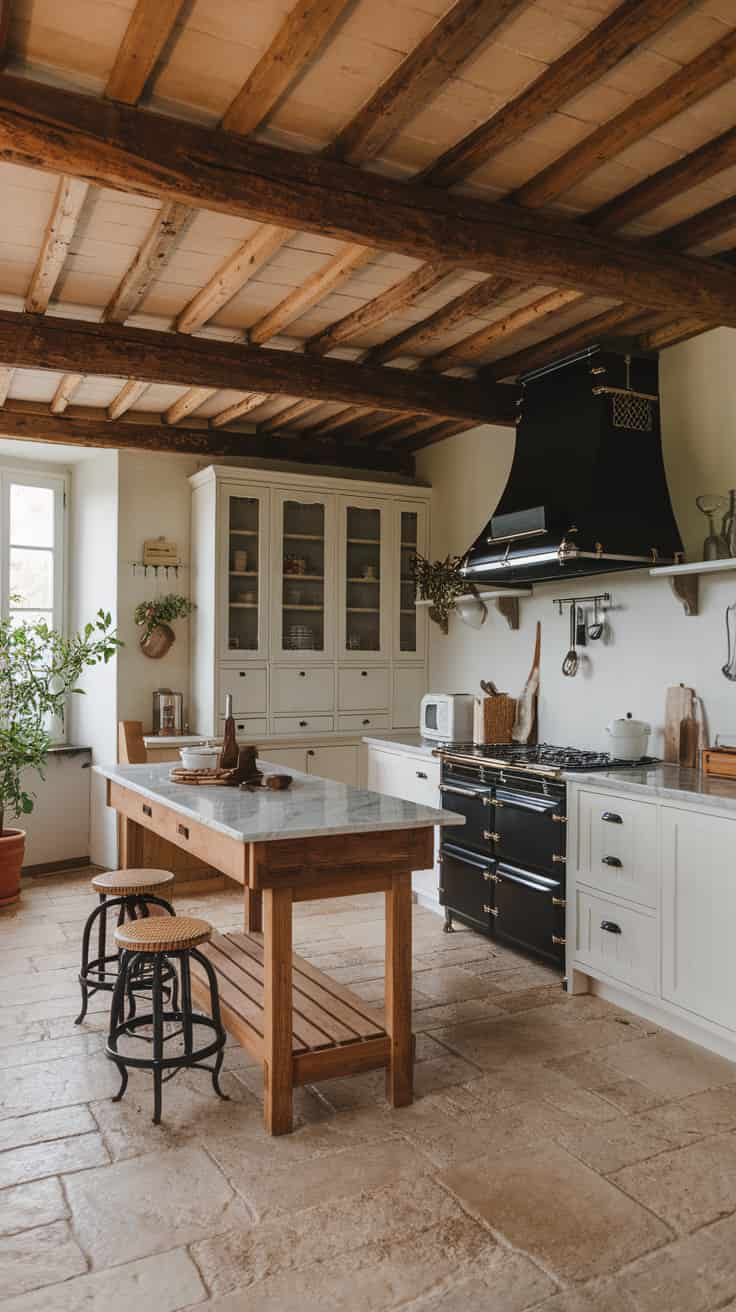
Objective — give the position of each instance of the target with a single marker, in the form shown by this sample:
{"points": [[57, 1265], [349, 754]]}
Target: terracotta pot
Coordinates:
{"points": [[12, 847], [158, 641]]}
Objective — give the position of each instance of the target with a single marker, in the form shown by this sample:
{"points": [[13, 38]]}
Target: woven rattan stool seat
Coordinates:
{"points": [[162, 934], [124, 883]]}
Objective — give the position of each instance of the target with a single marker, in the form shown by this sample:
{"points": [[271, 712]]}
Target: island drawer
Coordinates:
{"points": [[218, 850], [295, 690], [617, 846], [303, 724], [248, 689], [617, 940]]}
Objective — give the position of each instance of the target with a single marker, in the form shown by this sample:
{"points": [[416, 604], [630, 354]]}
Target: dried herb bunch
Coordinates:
{"points": [[440, 582]]}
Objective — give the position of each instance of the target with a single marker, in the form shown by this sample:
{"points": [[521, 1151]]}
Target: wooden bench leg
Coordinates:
{"points": [[253, 921], [277, 976], [400, 1073]]}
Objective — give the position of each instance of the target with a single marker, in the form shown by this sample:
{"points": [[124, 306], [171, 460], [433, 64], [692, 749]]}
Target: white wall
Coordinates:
{"points": [[653, 644]]}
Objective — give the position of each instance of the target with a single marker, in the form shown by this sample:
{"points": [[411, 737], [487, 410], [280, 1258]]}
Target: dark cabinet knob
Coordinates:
{"points": [[364, 674], [366, 722], [421, 774], [612, 818], [241, 674], [610, 927], [302, 674], [310, 751], [612, 861], [303, 724], [241, 726]]}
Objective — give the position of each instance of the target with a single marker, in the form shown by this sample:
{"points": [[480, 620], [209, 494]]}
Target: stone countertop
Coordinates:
{"points": [[412, 744], [669, 783], [310, 808]]}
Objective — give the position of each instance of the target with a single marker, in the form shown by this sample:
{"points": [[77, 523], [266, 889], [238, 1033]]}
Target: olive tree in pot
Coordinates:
{"points": [[39, 668]]}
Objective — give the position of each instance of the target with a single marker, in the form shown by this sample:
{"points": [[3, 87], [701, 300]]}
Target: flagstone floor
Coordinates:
{"points": [[561, 1154]]}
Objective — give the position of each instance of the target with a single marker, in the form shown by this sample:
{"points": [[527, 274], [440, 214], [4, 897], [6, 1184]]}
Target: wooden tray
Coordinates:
{"points": [[200, 778]]}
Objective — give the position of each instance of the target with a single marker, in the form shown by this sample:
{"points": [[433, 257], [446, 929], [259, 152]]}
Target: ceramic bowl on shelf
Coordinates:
{"points": [[199, 758]]}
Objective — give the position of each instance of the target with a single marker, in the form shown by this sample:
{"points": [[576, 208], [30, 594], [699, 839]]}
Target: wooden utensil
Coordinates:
{"points": [[525, 724], [688, 745], [677, 708]]}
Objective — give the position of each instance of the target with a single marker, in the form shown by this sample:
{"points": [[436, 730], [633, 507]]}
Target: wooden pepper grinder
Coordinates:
{"points": [[229, 753]]}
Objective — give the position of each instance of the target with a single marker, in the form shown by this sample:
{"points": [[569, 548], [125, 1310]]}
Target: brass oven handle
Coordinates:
{"points": [[457, 792]]}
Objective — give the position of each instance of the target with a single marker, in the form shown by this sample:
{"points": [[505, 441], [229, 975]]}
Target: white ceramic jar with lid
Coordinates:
{"points": [[629, 738]]}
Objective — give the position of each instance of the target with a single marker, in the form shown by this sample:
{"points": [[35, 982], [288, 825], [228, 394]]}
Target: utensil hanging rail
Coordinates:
{"points": [[600, 598]]}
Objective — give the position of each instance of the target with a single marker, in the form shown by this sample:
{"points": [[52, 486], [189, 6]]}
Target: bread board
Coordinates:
{"points": [[201, 778]]}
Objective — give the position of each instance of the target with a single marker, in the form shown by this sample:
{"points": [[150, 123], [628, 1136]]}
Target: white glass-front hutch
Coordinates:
{"points": [[304, 602]]}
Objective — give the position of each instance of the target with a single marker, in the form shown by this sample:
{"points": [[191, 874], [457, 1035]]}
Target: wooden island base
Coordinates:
{"points": [[302, 1025]]}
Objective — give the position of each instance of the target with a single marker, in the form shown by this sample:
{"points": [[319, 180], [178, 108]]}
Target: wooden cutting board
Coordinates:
{"points": [[678, 707]]}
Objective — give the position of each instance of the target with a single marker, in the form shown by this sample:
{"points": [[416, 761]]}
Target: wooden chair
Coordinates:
{"points": [[131, 747]]}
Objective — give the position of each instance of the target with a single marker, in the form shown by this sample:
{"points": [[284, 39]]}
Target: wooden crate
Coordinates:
{"points": [[720, 761]]}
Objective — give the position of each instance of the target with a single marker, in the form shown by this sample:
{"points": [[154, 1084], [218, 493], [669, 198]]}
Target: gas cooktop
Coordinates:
{"points": [[541, 758]]}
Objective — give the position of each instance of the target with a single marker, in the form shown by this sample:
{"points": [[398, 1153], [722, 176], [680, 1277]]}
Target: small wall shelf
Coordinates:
{"points": [[684, 579], [506, 601]]}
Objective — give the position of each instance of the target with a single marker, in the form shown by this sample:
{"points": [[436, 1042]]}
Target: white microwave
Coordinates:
{"points": [[447, 716]]}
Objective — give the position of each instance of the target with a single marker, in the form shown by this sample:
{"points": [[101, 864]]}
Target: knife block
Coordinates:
{"points": [[499, 714]]}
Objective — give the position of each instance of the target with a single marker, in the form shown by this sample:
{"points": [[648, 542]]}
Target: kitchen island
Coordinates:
{"points": [[318, 839]]}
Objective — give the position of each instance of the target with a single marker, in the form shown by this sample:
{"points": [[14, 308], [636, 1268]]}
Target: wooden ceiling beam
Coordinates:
{"points": [[304, 30], [403, 293], [238, 409], [129, 393], [150, 27], [477, 344], [151, 259], [88, 427], [286, 417], [69, 384], [108, 349], [187, 403], [71, 194], [492, 291], [6, 378], [669, 334], [314, 288], [460, 32], [42, 126], [710, 70], [616, 37], [5, 8]]}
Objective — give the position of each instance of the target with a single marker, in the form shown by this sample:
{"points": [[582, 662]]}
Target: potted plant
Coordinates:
{"points": [[154, 618], [39, 668], [439, 583]]}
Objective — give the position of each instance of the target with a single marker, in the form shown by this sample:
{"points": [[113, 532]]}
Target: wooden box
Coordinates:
{"points": [[498, 718], [720, 761]]}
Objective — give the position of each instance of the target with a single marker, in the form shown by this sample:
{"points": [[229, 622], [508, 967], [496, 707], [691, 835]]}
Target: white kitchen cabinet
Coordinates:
{"points": [[248, 688], [617, 846], [699, 914], [365, 582], [617, 940], [302, 725], [309, 689], [303, 580], [244, 628], [335, 762], [291, 758], [414, 777], [408, 622], [363, 689]]}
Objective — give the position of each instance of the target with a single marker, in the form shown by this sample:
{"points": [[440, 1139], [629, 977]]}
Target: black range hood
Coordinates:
{"points": [[587, 492]]}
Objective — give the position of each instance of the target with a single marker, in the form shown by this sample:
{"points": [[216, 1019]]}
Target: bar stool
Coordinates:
{"points": [[133, 893], [155, 944]]}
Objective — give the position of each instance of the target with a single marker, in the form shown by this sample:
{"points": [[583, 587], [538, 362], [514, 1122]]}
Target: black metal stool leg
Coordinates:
{"points": [[102, 940], [158, 1037], [216, 1018], [91, 982], [116, 1016], [186, 1005]]}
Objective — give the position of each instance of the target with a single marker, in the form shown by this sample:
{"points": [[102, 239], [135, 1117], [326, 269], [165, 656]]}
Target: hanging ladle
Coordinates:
{"points": [[570, 663]]}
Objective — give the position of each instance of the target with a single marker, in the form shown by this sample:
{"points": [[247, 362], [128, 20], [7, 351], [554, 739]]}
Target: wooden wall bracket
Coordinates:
{"points": [[509, 608], [686, 589]]}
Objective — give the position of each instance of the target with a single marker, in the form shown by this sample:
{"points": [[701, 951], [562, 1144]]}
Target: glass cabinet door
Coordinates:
{"points": [[245, 544], [365, 579], [303, 588], [410, 620]]}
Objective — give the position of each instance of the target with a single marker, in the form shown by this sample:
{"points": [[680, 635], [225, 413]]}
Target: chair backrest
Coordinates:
{"points": [[131, 747]]}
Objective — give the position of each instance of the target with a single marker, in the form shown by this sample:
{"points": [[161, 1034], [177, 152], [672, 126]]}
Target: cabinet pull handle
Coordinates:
{"points": [[610, 927], [491, 911], [183, 830], [612, 818], [559, 902], [366, 722], [310, 751], [147, 810], [560, 942], [240, 726], [303, 724], [558, 860], [558, 819], [364, 674], [612, 861], [302, 674], [421, 774], [491, 836], [241, 674]]}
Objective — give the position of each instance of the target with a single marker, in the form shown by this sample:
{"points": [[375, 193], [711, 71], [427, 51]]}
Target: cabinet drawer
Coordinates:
{"points": [[247, 689], [617, 846], [247, 728], [300, 724], [626, 950], [363, 689], [294, 689], [363, 723]]}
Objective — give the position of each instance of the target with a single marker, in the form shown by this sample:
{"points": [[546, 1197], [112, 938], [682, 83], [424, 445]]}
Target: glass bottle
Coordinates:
{"points": [[728, 530]]}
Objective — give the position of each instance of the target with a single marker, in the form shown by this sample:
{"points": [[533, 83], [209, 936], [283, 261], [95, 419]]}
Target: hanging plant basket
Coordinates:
{"points": [[153, 616], [157, 642], [439, 583]]}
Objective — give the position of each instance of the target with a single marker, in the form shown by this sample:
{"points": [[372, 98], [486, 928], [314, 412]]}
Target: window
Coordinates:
{"points": [[32, 548]]}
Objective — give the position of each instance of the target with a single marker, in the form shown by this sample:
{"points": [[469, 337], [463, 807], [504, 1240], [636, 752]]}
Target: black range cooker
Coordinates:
{"points": [[503, 872]]}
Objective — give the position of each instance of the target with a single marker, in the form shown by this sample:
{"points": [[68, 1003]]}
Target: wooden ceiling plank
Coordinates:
{"points": [[398, 297], [286, 417], [477, 344], [133, 149], [238, 409], [563, 343], [491, 291], [710, 70], [304, 30], [68, 385], [417, 442], [150, 27], [44, 342], [6, 378], [616, 37], [88, 427], [71, 194], [187, 403], [700, 227], [150, 260], [679, 330], [457, 35], [314, 288], [351, 414], [260, 247], [129, 393]]}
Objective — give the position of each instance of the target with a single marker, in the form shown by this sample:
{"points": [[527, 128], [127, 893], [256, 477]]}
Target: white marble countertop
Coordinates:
{"points": [[671, 783], [412, 744], [310, 808]]}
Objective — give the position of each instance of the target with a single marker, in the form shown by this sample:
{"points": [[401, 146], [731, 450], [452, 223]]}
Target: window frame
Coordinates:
{"points": [[59, 483]]}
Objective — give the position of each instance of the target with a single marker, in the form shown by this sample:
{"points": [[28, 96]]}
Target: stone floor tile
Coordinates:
{"points": [[700, 1115], [40, 1126], [37, 1160], [451, 984], [14, 1031], [365, 1090], [165, 1284], [39, 1257], [34, 1204], [452, 1013], [671, 1066], [688, 1186], [147, 1205], [43, 1086], [617, 1143], [510, 1283], [71, 1045], [629, 1096], [547, 1203]]}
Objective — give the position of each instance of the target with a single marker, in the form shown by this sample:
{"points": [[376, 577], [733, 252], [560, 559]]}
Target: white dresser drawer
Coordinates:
{"points": [[303, 724], [294, 689], [248, 727], [247, 688], [626, 950], [363, 689], [359, 723], [414, 778], [617, 846]]}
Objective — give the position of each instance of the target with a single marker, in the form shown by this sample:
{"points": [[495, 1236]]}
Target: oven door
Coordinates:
{"points": [[467, 884], [530, 829], [530, 912], [475, 802]]}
